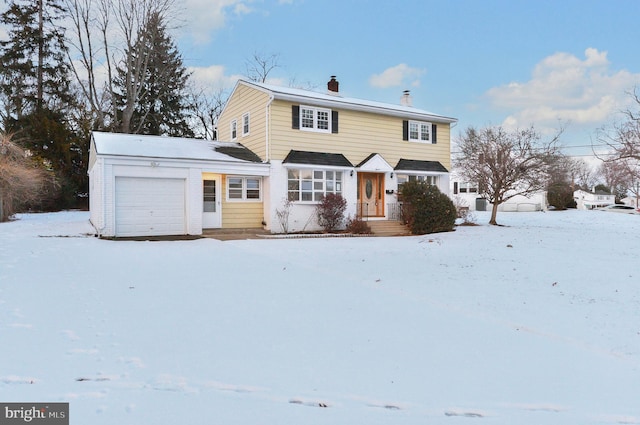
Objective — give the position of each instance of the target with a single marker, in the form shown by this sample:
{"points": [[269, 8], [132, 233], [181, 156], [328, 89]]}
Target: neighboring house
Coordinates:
{"points": [[467, 195], [305, 144], [595, 199]]}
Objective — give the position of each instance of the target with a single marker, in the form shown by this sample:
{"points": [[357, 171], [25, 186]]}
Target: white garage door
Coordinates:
{"points": [[150, 207]]}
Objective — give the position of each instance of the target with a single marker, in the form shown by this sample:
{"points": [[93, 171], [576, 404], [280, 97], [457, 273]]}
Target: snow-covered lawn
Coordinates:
{"points": [[536, 322]]}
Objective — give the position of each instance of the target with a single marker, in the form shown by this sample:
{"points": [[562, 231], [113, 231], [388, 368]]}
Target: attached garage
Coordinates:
{"points": [[155, 186], [150, 206]]}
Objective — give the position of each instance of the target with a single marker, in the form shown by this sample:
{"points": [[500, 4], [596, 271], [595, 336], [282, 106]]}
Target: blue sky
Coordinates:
{"points": [[492, 62], [515, 63]]}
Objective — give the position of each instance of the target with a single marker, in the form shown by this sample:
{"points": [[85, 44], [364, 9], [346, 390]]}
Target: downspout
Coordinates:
{"points": [[267, 128]]}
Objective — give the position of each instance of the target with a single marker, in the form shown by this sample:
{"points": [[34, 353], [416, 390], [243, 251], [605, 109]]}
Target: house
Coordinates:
{"points": [[595, 199], [468, 195], [285, 149]]}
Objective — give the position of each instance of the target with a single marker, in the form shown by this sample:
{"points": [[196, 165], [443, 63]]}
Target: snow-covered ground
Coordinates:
{"points": [[536, 322]]}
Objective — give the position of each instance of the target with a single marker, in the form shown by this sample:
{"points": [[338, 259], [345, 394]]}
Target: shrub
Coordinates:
{"points": [[427, 210], [357, 226], [560, 196], [330, 212]]}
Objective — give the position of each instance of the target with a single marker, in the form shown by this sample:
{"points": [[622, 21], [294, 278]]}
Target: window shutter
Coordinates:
{"points": [[405, 130], [295, 116], [334, 121], [455, 188], [434, 133]]}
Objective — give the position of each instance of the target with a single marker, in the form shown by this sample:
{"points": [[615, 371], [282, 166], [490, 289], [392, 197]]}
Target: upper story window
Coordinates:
{"points": [[315, 119], [245, 124], [419, 131], [234, 130], [310, 118]]}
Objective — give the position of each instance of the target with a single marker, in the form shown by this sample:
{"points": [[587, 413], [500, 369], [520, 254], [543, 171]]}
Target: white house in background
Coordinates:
{"points": [[465, 194], [152, 185], [596, 199]]}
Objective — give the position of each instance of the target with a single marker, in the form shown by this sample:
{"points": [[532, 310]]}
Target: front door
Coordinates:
{"points": [[211, 203], [371, 194]]}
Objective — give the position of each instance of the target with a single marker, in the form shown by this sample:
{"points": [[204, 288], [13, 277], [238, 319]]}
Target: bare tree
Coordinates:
{"points": [[623, 138], [21, 179], [616, 176], [120, 26], [504, 164], [259, 66], [206, 111]]}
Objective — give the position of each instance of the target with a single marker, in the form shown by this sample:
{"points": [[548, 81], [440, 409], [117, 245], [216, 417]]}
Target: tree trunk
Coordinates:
{"points": [[494, 213]]}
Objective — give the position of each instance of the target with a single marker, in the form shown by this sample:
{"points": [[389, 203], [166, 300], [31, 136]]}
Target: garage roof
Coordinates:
{"points": [[136, 145]]}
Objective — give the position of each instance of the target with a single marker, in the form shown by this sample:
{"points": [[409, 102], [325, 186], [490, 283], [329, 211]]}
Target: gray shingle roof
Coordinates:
{"points": [[417, 165], [317, 158]]}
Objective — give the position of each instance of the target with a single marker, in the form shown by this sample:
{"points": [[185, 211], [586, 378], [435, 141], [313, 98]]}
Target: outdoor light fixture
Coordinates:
{"points": [[351, 173], [391, 175]]}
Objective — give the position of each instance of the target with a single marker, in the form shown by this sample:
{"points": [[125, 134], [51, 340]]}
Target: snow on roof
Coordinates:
{"points": [[290, 93], [121, 144]]}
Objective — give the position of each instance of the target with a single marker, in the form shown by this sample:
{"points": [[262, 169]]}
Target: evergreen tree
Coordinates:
{"points": [[36, 91], [34, 71], [160, 108]]}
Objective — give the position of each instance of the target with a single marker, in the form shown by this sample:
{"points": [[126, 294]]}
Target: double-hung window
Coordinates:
{"points": [[315, 119], [245, 124], [234, 130], [243, 188], [309, 185], [420, 131]]}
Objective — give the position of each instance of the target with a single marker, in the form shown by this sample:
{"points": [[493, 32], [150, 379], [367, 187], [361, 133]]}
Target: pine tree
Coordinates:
{"points": [[37, 96], [160, 108], [34, 71]]}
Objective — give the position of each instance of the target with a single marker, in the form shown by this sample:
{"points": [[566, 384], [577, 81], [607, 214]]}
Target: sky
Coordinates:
{"points": [[568, 64], [549, 64], [528, 323]]}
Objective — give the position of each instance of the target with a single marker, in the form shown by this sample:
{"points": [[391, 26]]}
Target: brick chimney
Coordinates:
{"points": [[406, 99], [332, 85]]}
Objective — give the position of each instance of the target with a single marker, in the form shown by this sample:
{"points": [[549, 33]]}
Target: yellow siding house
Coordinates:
{"points": [[318, 143]]}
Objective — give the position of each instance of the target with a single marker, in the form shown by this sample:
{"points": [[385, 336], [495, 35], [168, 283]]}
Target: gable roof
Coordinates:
{"points": [[417, 165], [136, 145], [317, 158], [336, 101]]}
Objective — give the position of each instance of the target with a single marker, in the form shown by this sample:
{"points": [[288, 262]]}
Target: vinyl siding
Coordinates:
{"points": [[238, 215], [246, 100], [360, 134]]}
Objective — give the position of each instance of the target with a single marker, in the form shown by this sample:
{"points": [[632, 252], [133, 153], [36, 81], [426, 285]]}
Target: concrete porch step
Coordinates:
{"points": [[388, 228]]}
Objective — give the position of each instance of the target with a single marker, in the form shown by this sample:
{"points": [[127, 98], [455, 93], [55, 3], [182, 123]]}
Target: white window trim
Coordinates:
{"points": [[419, 139], [244, 189], [315, 119], [436, 177], [246, 117], [314, 169], [234, 129]]}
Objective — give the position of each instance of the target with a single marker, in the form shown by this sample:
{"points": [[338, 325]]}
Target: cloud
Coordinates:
{"points": [[207, 16], [578, 92], [399, 75], [212, 78]]}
